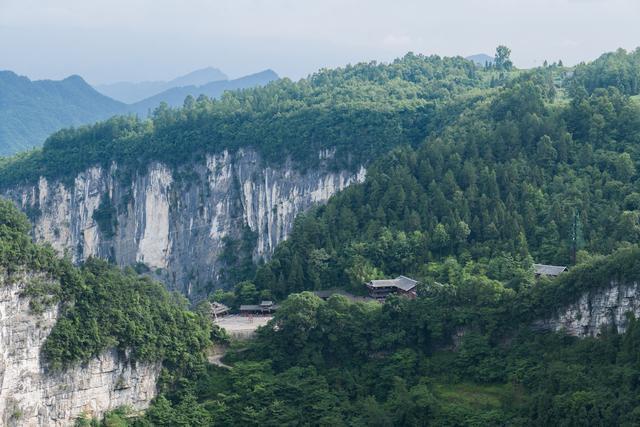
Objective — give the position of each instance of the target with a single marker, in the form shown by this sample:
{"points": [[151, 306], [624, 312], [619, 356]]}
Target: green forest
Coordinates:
{"points": [[515, 179], [361, 110], [101, 307], [473, 175], [523, 169]]}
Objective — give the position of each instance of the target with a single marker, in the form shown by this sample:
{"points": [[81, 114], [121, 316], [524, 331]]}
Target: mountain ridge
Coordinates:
{"points": [[132, 92], [175, 96], [480, 59], [31, 110]]}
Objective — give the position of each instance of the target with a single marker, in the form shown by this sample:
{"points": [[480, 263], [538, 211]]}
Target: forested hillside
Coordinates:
{"points": [[473, 174], [463, 353], [359, 111], [516, 178], [618, 69], [101, 307], [531, 172], [31, 110]]}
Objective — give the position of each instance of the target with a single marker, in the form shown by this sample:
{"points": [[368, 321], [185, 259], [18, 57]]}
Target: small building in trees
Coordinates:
{"points": [[543, 270], [265, 307], [401, 285], [218, 310]]}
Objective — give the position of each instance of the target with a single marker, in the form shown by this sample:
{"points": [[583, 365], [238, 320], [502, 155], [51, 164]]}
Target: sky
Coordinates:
{"points": [[106, 41]]}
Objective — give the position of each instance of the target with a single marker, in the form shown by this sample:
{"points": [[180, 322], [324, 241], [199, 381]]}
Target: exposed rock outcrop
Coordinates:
{"points": [[597, 310], [30, 395], [175, 222]]}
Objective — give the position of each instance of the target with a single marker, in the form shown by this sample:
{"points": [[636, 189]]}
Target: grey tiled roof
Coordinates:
{"points": [[548, 270], [400, 282]]}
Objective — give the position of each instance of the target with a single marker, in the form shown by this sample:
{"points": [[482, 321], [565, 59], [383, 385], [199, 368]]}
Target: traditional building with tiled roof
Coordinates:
{"points": [[402, 285]]}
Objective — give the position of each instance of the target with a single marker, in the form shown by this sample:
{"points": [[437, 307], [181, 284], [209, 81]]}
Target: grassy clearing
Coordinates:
{"points": [[480, 397]]}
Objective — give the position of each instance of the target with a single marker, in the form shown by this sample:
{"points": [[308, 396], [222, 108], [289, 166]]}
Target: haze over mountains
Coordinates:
{"points": [[31, 110], [481, 59], [175, 96], [132, 92]]}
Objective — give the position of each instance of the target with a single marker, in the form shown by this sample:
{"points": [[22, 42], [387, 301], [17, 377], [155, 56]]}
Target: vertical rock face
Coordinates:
{"points": [[31, 396], [598, 310], [176, 222]]}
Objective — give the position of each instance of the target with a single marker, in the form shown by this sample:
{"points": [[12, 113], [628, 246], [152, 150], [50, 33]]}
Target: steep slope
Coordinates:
{"points": [[181, 192], [175, 227], [513, 178], [175, 96], [31, 110], [130, 92], [31, 395], [595, 298], [82, 340]]}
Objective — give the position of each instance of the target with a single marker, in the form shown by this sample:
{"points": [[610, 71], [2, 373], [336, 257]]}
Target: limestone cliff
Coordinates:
{"points": [[175, 221], [30, 395], [598, 309]]}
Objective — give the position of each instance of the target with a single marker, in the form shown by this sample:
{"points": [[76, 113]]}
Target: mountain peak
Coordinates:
{"points": [[75, 79], [198, 77], [480, 59]]}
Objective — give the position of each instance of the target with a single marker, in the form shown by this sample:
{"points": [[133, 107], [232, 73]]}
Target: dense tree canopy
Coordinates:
{"points": [[101, 307], [463, 353], [361, 111], [473, 174], [614, 69], [515, 177]]}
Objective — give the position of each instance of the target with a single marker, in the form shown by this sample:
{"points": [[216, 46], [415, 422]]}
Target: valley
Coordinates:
{"points": [[434, 185]]}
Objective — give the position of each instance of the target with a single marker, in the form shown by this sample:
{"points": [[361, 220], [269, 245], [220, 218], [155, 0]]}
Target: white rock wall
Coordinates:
{"points": [[154, 246], [176, 225], [31, 396], [597, 310]]}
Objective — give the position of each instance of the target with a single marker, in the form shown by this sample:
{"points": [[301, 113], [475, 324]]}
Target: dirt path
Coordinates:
{"points": [[215, 355]]}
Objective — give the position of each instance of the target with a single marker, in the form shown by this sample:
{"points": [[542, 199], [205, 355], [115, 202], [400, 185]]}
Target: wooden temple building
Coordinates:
{"points": [[265, 307], [401, 285]]}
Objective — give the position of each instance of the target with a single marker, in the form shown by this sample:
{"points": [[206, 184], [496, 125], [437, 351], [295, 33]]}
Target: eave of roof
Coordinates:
{"points": [[400, 282]]}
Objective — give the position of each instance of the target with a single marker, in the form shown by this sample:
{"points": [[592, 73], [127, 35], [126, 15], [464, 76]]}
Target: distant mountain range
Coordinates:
{"points": [[31, 110], [132, 92], [175, 96], [481, 59]]}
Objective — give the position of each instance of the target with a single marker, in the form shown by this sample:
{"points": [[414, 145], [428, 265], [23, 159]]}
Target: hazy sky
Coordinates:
{"points": [[111, 40]]}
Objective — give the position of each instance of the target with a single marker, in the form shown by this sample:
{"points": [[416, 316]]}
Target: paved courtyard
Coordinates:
{"points": [[241, 326]]}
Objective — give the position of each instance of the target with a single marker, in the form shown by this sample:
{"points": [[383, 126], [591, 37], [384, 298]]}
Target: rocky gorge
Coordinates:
{"points": [[175, 223]]}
